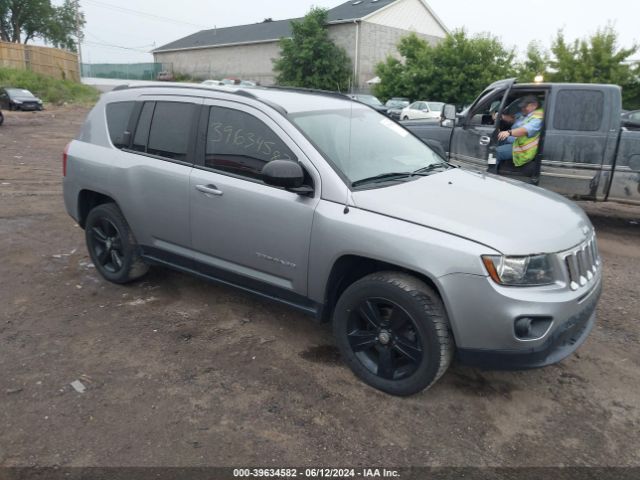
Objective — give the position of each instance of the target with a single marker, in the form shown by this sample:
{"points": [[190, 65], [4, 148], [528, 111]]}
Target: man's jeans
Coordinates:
{"points": [[504, 153]]}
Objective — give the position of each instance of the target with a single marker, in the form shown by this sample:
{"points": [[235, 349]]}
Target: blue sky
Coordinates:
{"points": [[116, 33]]}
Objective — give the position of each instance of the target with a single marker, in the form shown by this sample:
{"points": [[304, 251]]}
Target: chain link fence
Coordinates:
{"points": [[127, 71]]}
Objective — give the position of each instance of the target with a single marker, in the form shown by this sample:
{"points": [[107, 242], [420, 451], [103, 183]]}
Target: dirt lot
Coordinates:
{"points": [[181, 372]]}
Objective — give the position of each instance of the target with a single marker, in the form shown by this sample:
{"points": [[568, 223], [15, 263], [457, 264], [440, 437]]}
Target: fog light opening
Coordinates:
{"points": [[523, 327], [531, 328]]}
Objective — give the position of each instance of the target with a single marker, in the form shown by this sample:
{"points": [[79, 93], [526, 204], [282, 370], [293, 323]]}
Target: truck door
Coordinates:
{"points": [[625, 184], [582, 129], [473, 137]]}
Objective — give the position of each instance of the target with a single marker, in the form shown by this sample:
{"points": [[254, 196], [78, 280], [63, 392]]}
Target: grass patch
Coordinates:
{"points": [[49, 89]]}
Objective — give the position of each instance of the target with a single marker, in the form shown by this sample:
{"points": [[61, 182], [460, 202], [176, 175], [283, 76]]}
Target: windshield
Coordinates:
{"points": [[16, 92], [435, 106], [361, 143], [369, 100]]}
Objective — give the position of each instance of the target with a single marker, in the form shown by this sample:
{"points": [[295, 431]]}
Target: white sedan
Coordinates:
{"points": [[422, 110]]}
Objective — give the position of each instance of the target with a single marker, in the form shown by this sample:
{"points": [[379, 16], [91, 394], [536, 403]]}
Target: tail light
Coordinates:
{"points": [[65, 155]]}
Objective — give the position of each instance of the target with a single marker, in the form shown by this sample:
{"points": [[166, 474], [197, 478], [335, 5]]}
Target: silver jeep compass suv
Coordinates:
{"points": [[322, 203]]}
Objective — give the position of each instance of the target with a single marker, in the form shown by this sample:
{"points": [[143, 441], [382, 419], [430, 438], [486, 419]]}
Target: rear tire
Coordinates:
{"points": [[112, 246], [393, 332]]}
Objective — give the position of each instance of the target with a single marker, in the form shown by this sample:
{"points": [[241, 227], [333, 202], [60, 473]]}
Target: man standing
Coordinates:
{"points": [[522, 140]]}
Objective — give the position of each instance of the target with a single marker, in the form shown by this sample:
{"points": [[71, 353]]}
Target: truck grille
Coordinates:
{"points": [[582, 263]]}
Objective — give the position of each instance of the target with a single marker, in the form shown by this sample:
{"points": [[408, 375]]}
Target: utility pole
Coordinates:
{"points": [[76, 5]]}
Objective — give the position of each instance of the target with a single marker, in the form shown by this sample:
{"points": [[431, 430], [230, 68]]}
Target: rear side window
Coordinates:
{"points": [[579, 110], [171, 129], [164, 129], [239, 143], [118, 115]]}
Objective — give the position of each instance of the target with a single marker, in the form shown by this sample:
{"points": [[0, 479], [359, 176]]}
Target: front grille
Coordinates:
{"points": [[582, 263]]}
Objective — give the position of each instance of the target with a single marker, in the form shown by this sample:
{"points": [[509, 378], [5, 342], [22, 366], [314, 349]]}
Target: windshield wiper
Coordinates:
{"points": [[382, 178], [421, 172], [430, 168]]}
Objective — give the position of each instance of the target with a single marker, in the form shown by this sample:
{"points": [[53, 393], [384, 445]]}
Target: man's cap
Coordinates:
{"points": [[527, 99], [512, 108]]}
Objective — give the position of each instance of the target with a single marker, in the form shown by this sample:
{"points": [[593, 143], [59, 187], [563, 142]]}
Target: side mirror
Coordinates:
{"points": [[449, 112], [286, 174]]}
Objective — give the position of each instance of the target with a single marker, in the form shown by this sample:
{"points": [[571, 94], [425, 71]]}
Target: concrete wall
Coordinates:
{"points": [[249, 62], [413, 15], [376, 43]]}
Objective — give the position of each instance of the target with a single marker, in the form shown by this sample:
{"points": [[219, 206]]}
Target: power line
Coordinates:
{"points": [[141, 14], [106, 45], [105, 42]]}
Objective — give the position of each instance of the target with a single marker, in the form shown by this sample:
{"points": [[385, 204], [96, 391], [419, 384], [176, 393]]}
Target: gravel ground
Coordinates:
{"points": [[180, 372]]}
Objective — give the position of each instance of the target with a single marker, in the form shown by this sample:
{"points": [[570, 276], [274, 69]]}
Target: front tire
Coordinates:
{"points": [[112, 246], [393, 332], [405, 118]]}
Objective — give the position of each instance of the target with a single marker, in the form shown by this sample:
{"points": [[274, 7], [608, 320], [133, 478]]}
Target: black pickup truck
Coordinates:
{"points": [[587, 150]]}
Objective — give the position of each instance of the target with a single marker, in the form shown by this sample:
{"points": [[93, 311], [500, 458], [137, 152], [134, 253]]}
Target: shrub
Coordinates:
{"points": [[49, 89]]}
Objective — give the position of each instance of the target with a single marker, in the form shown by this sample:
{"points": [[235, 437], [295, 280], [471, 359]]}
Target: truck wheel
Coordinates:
{"points": [[112, 246], [393, 332]]}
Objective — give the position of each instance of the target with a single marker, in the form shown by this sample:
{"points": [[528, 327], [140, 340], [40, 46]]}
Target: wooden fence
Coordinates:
{"points": [[48, 61]]}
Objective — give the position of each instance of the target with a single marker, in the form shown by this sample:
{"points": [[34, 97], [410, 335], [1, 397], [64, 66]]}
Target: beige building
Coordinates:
{"points": [[369, 30]]}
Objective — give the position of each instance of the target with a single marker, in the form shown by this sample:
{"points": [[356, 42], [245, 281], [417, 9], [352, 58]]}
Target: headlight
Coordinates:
{"points": [[520, 271], [40, 102], [17, 102]]}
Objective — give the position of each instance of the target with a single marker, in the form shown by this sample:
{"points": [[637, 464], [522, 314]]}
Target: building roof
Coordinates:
{"points": [[270, 30]]}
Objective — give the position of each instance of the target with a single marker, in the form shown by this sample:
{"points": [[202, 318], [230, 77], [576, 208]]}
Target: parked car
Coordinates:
{"points": [[395, 105], [370, 100], [631, 117], [165, 76], [422, 111], [323, 204], [19, 99], [212, 83], [247, 83], [586, 150]]}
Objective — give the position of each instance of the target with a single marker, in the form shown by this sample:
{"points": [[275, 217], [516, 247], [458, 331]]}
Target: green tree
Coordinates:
{"points": [[454, 70], [597, 59], [24, 20], [536, 63], [310, 59]]}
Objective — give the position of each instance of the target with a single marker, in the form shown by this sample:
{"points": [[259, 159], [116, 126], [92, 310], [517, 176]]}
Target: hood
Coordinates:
{"points": [[511, 217]]}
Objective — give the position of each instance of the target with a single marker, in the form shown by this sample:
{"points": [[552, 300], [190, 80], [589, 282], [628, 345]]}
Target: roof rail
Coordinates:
{"points": [[316, 91], [242, 93]]}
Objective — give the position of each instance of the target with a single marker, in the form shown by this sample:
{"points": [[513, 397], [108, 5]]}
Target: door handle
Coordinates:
{"points": [[484, 140], [209, 190]]}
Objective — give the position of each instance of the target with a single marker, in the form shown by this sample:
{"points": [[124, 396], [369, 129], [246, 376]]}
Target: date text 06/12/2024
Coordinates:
{"points": [[285, 473]]}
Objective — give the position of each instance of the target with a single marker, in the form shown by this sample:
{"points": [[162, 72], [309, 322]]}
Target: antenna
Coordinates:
{"points": [[346, 202]]}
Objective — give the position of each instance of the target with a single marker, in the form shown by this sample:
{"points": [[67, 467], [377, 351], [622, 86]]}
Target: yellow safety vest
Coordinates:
{"points": [[525, 148]]}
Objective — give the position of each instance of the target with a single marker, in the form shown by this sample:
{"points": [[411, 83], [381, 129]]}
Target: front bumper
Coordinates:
{"points": [[559, 346], [482, 317], [28, 107]]}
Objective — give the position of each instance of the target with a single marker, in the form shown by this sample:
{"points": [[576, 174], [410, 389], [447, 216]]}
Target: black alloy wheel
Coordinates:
{"points": [[385, 338], [393, 332], [112, 246], [107, 245]]}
